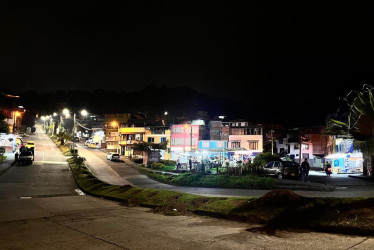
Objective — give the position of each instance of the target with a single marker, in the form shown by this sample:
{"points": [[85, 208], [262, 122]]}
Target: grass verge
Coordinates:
{"points": [[221, 181], [350, 216]]}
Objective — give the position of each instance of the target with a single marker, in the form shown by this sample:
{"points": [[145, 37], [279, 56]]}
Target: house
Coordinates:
{"points": [[112, 122], [159, 134], [128, 136], [184, 140]]}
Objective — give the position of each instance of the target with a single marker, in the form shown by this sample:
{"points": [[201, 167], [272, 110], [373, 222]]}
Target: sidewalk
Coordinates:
{"points": [[5, 165]]}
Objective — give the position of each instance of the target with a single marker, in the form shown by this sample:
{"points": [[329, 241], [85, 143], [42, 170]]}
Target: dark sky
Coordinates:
{"points": [[288, 57]]}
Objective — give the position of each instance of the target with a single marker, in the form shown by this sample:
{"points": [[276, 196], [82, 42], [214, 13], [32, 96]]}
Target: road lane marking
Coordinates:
{"points": [[79, 192], [25, 197]]}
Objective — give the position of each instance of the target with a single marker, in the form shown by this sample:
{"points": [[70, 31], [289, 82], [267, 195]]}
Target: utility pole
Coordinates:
{"points": [[272, 142], [74, 132], [301, 143]]}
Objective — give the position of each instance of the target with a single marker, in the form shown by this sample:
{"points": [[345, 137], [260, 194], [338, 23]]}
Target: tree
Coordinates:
{"points": [[4, 127], [358, 123], [62, 136]]}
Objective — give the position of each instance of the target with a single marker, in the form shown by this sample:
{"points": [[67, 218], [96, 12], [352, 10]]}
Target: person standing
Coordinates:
{"points": [[305, 170], [190, 163], [178, 163]]}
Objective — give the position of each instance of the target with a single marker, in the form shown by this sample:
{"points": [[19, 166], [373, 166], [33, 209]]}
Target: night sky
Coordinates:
{"points": [[279, 58]]}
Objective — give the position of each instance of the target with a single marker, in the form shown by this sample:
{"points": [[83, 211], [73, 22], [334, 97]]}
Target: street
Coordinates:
{"points": [[345, 186], [40, 209]]}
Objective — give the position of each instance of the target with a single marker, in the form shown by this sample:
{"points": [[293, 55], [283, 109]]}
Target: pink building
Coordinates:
{"points": [[181, 136]]}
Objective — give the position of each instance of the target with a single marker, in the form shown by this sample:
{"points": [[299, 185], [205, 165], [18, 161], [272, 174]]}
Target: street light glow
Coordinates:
{"points": [[65, 111], [17, 113], [42, 117], [54, 114], [84, 112], [114, 124], [166, 113]]}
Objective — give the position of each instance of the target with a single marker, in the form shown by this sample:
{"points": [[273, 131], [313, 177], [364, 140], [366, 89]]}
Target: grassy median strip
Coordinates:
{"points": [[218, 181]]}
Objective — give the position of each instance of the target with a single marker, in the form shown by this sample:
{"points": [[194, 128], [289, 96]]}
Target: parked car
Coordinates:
{"points": [[113, 157], [282, 169], [88, 141], [25, 157], [76, 139]]}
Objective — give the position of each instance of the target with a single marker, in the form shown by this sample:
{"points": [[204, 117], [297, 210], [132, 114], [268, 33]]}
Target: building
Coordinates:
{"points": [[128, 136], [184, 140], [159, 134], [112, 122]]}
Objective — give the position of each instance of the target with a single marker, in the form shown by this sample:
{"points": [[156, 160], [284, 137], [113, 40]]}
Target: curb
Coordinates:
{"points": [[367, 178]]}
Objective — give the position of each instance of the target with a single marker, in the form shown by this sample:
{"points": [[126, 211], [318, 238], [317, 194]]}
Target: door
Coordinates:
{"points": [[276, 168], [268, 167]]}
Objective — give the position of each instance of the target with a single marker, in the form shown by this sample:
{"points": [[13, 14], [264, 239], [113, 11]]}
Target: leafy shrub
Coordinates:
{"points": [[264, 158], [168, 162], [157, 165], [74, 151]]}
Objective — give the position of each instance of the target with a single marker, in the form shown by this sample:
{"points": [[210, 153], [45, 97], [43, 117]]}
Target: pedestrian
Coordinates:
{"points": [[328, 169], [305, 170], [190, 163], [178, 163], [16, 155]]}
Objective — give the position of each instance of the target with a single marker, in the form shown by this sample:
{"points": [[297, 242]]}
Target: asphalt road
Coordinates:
{"points": [[345, 186], [39, 209]]}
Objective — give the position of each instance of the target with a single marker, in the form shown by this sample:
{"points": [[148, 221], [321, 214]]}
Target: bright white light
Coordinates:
{"points": [[54, 114], [42, 117], [221, 117], [66, 111], [67, 115], [166, 113], [84, 112]]}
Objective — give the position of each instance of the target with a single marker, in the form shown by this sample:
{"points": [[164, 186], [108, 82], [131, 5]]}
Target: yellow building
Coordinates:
{"points": [[128, 137], [112, 123], [159, 135]]}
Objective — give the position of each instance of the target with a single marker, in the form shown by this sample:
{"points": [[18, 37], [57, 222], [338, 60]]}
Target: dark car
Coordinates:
{"points": [[25, 157], [282, 169]]}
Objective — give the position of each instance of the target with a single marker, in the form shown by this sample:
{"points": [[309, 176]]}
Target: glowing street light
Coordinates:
{"points": [[84, 112], [66, 112], [114, 124]]}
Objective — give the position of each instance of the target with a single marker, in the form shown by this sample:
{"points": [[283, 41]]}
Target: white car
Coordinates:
{"points": [[113, 156]]}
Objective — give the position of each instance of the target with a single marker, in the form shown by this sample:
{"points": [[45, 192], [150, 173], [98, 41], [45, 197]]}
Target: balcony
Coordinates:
{"points": [[128, 142]]}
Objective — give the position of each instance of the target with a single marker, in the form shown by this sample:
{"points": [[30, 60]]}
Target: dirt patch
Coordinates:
{"points": [[279, 196]]}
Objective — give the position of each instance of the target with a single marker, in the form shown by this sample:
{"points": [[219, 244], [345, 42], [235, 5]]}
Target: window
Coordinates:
{"points": [[220, 144], [277, 164], [178, 130], [162, 139], [235, 144], [270, 164], [305, 156], [305, 146], [151, 139], [177, 142], [296, 146], [253, 145], [237, 131]]}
